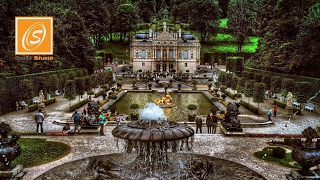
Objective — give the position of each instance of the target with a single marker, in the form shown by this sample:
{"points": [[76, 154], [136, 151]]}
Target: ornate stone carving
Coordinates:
{"points": [[164, 36]]}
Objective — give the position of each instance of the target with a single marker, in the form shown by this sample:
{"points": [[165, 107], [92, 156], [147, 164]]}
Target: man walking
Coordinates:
{"points": [[209, 123], [76, 120], [39, 117], [269, 114], [101, 122], [198, 124]]}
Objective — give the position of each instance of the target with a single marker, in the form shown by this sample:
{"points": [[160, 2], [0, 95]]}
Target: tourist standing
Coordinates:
{"points": [[198, 124], [275, 108], [118, 119], [39, 117], [101, 122], [215, 123], [209, 123], [269, 114], [76, 120]]}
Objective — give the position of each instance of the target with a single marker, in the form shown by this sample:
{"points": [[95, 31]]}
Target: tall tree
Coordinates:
{"points": [[95, 18], [307, 44], [76, 40], [258, 93], [146, 10], [126, 20], [204, 17], [242, 19]]}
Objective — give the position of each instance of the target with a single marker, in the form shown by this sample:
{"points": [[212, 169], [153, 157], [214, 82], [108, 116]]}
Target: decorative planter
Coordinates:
{"points": [[307, 154], [9, 148]]}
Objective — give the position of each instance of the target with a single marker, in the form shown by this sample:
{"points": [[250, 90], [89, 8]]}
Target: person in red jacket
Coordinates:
{"points": [[275, 108]]}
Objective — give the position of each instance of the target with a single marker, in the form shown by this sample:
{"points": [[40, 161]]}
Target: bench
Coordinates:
{"points": [[24, 104], [36, 100], [309, 107], [58, 93], [296, 104]]}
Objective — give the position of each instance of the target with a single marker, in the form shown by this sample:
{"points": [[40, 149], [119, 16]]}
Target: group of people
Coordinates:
{"points": [[275, 109], [20, 105], [211, 123]]}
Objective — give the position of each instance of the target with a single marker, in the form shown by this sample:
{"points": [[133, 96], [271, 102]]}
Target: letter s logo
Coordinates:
{"points": [[29, 44]]}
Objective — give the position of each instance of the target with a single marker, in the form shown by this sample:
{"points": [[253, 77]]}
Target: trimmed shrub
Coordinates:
{"points": [[288, 141], [235, 64], [112, 96], [79, 104], [32, 107], [278, 152], [46, 102], [134, 106], [249, 106], [50, 101], [192, 107], [232, 96], [99, 93]]}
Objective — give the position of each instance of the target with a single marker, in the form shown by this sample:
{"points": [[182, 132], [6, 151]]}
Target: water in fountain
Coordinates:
{"points": [[152, 140], [152, 148]]}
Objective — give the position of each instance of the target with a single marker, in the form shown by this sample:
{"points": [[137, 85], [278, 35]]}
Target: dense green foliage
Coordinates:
{"points": [[40, 151], [235, 64], [288, 44], [242, 15]]}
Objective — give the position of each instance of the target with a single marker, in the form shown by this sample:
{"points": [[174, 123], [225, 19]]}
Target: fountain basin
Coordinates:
{"points": [[85, 168]]}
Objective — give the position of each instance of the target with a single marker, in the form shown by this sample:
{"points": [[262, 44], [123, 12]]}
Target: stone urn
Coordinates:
{"points": [[307, 153], [9, 148]]}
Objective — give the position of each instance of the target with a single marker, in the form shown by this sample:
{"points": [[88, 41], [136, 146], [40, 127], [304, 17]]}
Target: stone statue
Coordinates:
{"points": [[289, 100], [231, 118], [41, 96], [105, 168], [93, 113], [164, 26]]}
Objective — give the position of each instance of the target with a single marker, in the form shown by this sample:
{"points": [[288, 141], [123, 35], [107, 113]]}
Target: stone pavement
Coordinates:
{"points": [[238, 149]]}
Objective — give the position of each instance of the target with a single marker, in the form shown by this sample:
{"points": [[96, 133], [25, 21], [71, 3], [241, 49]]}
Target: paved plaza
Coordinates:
{"points": [[235, 148]]}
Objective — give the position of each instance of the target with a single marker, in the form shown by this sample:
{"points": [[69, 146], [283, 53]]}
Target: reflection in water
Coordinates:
{"points": [[177, 113]]}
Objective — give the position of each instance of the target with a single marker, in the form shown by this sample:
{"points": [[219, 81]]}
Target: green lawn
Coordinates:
{"points": [[266, 154], [223, 23], [35, 152]]}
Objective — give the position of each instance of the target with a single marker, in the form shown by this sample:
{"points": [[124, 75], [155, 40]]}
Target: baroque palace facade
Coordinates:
{"points": [[165, 51]]}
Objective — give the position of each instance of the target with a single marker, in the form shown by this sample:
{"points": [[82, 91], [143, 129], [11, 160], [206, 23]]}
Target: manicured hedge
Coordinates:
{"points": [[249, 106], [79, 104], [97, 94], [235, 64], [46, 102], [232, 96], [283, 105]]}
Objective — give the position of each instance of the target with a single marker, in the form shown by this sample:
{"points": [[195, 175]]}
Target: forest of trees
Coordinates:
{"points": [[288, 31]]}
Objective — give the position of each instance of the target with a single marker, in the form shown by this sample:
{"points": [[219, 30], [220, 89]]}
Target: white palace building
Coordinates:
{"points": [[165, 51]]}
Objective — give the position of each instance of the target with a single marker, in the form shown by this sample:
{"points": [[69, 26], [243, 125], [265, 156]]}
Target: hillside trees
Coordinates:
{"points": [[204, 17], [242, 17]]}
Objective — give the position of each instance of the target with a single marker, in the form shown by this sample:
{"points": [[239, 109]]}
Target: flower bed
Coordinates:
{"points": [[277, 135], [56, 134]]}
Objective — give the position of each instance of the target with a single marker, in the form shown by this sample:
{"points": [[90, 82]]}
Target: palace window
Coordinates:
{"points": [[158, 53], [185, 54], [143, 53], [170, 53], [185, 64], [143, 64]]}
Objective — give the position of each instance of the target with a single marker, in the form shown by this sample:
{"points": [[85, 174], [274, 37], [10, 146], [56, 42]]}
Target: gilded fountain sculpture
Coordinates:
{"points": [[165, 102]]}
